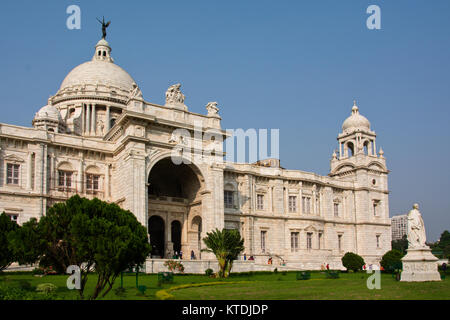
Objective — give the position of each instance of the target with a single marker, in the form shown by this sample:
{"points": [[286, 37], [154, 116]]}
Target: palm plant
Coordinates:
{"points": [[226, 246]]}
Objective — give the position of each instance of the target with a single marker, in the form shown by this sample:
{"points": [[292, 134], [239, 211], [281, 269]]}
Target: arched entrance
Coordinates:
{"points": [[174, 193], [176, 235], [157, 237]]}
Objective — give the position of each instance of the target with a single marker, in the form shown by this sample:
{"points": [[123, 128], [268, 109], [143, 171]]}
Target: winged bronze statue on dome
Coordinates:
{"points": [[104, 26]]}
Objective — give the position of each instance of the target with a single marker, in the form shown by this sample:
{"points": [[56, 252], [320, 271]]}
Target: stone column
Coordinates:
{"points": [[29, 169], [107, 118], [83, 118], [88, 119], [93, 120], [80, 176], [106, 188]]}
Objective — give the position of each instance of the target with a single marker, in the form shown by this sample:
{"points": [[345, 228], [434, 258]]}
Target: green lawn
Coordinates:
{"points": [[262, 286]]}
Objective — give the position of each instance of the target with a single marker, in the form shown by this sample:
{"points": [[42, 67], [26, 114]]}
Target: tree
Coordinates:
{"points": [[352, 261], [93, 234], [6, 227], [400, 244], [25, 243], [391, 260], [444, 243], [226, 246]]}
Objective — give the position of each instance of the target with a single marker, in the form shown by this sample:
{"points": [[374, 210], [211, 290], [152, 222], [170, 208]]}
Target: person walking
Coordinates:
{"points": [[245, 257], [192, 255], [328, 266], [181, 254]]}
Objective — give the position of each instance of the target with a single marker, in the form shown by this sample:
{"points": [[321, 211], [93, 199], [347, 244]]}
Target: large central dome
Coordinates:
{"points": [[98, 78], [98, 72]]}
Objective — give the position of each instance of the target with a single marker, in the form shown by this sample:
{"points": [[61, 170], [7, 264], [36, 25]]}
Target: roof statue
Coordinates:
{"points": [[104, 26]]}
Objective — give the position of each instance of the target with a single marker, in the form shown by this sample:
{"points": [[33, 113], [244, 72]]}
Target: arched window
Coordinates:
{"points": [[366, 147], [350, 149]]}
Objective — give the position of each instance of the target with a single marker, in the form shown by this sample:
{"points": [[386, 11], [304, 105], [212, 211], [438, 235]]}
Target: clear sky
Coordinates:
{"points": [[292, 65]]}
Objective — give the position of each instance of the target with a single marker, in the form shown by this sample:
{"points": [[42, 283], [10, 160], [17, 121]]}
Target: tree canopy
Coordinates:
{"points": [[6, 227], [90, 234]]}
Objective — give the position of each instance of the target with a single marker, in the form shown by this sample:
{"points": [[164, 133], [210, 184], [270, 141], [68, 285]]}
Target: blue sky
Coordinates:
{"points": [[292, 65]]}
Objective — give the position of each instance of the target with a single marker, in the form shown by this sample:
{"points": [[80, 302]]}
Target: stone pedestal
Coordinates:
{"points": [[420, 265]]}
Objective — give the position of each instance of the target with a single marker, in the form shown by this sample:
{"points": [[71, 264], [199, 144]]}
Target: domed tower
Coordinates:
{"points": [[48, 118], [366, 202], [94, 94], [357, 149]]}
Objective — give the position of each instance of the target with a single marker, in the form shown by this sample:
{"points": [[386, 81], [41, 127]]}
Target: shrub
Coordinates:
{"points": [[13, 293], [120, 291], [25, 285], [391, 261], [173, 265], [209, 272], [352, 261]]}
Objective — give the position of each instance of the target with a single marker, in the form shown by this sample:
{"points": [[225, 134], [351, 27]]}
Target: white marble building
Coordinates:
{"points": [[98, 137]]}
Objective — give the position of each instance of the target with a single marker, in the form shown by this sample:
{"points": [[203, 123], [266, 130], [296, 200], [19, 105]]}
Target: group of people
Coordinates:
{"points": [[249, 259], [325, 266]]}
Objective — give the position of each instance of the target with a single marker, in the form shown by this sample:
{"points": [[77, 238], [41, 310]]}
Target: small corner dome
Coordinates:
{"points": [[48, 112], [355, 121]]}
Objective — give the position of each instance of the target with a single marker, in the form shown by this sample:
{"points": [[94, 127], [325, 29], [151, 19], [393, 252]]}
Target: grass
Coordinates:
{"points": [[257, 286]]}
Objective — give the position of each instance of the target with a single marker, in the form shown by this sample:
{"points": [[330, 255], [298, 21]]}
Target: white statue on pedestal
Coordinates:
{"points": [[419, 264], [416, 228]]}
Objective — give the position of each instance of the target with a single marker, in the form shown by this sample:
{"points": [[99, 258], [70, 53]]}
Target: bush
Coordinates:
{"points": [[209, 272], [120, 292], [12, 293], [25, 285], [352, 261], [391, 261], [173, 265]]}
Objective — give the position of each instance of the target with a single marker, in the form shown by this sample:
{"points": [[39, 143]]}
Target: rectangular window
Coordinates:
{"points": [[263, 241], [294, 241], [64, 180], [309, 240], [336, 209], [375, 207], [306, 204], [340, 242], [12, 173], [228, 199], [92, 182], [292, 204], [319, 240], [378, 240], [260, 202]]}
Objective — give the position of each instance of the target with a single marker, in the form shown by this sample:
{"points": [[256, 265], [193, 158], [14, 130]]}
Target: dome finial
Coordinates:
{"points": [[355, 107]]}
